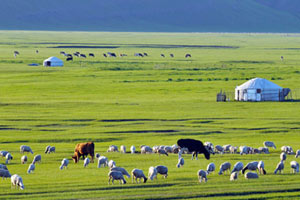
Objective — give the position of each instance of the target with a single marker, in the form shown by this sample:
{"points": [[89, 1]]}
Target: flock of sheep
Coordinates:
{"points": [[118, 173]]}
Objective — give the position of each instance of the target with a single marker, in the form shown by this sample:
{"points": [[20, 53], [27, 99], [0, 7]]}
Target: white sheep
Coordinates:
{"points": [[146, 149], [202, 175], [168, 149], [51, 150], [120, 169], [264, 150], [180, 162], [251, 175], [261, 167], [17, 181], [244, 150], [116, 175], [3, 153], [283, 156], [211, 167], [132, 149], [152, 173], [219, 149], [237, 167], [3, 166], [162, 152], [123, 149], [4, 173], [279, 167], [233, 149], [47, 148], [294, 166], [138, 174], [297, 153], [31, 168], [37, 158], [175, 148], [210, 147], [253, 166], [234, 176], [102, 161], [227, 147], [163, 170], [111, 164], [97, 156], [224, 167], [64, 164], [183, 150], [113, 148], [287, 149], [8, 158], [24, 159], [256, 151], [86, 162], [24, 148], [269, 144]]}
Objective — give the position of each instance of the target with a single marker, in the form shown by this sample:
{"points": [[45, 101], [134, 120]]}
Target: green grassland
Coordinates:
{"points": [[150, 100]]}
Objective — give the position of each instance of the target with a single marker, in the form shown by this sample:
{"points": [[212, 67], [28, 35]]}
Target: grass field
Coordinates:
{"points": [[150, 100]]}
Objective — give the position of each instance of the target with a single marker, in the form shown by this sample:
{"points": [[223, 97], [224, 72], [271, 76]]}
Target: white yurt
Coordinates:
{"points": [[53, 62], [260, 89]]}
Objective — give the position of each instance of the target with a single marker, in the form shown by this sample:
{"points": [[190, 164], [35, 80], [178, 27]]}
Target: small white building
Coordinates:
{"points": [[259, 89], [53, 62]]}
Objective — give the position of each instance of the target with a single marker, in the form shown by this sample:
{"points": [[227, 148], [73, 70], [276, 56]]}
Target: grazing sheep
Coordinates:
{"points": [[224, 167], [255, 151], [163, 170], [122, 170], [31, 168], [283, 156], [132, 149], [146, 149], [180, 162], [152, 173], [8, 158], [219, 149], [24, 148], [51, 150], [111, 164], [261, 167], [17, 181], [47, 148], [297, 153], [251, 175], [211, 167], [116, 175], [269, 144], [3, 166], [97, 155], [102, 161], [237, 167], [138, 174], [123, 149], [112, 148], [86, 162], [279, 167], [168, 149], [244, 150], [233, 149], [162, 151], [264, 150], [234, 176], [64, 164], [202, 176], [4, 173], [24, 159], [175, 148], [294, 166], [253, 166], [210, 147], [155, 149], [37, 158], [287, 149], [3, 153], [227, 147]]}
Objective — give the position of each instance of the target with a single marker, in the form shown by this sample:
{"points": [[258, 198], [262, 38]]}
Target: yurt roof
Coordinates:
{"points": [[259, 83], [53, 59]]}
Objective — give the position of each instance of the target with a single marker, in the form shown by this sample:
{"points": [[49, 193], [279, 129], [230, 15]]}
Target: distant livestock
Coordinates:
{"points": [[64, 164], [17, 181], [83, 149], [24, 148], [91, 55], [138, 174], [50, 149], [195, 146], [202, 175], [162, 55], [82, 55], [116, 175], [269, 144], [188, 55], [69, 59], [139, 54]]}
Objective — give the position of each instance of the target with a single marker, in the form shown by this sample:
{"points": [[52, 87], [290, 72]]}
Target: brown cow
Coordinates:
{"points": [[83, 149]]}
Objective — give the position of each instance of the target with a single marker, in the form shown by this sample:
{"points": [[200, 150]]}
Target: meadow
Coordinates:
{"points": [[145, 101]]}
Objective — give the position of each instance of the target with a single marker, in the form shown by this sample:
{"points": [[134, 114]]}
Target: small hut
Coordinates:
{"points": [[259, 89], [53, 62]]}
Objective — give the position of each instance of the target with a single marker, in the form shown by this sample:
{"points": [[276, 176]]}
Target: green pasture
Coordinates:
{"points": [[152, 101]]}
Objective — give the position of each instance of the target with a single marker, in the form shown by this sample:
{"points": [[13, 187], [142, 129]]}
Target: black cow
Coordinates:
{"points": [[69, 58], [91, 55], [188, 55], [82, 55], [194, 146]]}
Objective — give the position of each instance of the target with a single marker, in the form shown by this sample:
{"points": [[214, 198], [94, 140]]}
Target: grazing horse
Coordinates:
{"points": [[195, 146], [83, 149]]}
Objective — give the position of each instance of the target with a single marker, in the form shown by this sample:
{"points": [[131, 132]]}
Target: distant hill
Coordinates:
{"points": [[152, 15]]}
